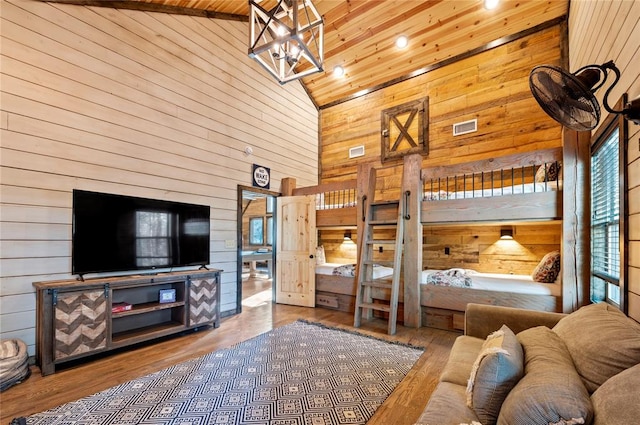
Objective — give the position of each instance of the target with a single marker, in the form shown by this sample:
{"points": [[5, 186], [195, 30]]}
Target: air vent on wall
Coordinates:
{"points": [[356, 151], [465, 127]]}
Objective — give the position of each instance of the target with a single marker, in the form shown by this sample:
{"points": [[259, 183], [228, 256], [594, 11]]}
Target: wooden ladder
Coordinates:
{"points": [[378, 215]]}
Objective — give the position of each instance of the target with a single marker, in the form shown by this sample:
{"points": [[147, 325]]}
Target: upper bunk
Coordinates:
{"points": [[336, 202], [518, 187]]}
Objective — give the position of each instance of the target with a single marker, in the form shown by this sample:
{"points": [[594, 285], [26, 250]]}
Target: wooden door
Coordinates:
{"points": [[295, 250]]}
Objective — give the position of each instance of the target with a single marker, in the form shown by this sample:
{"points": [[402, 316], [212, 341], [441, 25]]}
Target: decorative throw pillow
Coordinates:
{"points": [[347, 270], [551, 391], [548, 172], [320, 257], [613, 403], [548, 269], [602, 342], [497, 369]]}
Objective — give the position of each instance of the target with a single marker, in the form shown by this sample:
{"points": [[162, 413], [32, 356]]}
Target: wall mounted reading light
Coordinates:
{"points": [[347, 235], [506, 233]]}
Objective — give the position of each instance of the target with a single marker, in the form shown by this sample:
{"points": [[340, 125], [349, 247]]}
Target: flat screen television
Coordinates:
{"points": [[124, 233]]}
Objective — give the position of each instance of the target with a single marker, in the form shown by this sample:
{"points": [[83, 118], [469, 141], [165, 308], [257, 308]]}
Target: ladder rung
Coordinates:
{"points": [[376, 306], [384, 203], [387, 263], [378, 284], [383, 222], [381, 241]]}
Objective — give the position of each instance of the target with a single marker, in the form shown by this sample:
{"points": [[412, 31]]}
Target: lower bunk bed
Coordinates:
{"points": [[444, 294], [336, 284]]}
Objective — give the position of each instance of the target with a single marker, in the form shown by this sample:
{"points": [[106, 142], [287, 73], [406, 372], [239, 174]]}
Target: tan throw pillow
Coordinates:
{"points": [[320, 257], [551, 391], [602, 342], [498, 367], [614, 403], [548, 268]]}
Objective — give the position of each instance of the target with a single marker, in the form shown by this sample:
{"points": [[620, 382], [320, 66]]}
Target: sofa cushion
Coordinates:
{"points": [[447, 406], [614, 402], [551, 391], [602, 342], [496, 371], [463, 353]]}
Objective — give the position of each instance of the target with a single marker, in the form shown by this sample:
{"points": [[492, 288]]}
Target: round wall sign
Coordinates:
{"points": [[261, 176]]}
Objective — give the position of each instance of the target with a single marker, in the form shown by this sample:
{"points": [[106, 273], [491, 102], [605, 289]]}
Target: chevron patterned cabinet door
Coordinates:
{"points": [[80, 323], [204, 301]]}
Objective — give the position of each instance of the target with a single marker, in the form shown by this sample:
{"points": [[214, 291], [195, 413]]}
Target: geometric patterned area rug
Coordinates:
{"points": [[299, 374]]}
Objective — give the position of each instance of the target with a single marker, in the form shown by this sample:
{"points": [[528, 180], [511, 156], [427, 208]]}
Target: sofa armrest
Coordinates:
{"points": [[481, 319]]}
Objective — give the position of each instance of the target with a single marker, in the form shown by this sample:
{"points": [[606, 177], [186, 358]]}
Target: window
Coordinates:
{"points": [[605, 217], [256, 231]]}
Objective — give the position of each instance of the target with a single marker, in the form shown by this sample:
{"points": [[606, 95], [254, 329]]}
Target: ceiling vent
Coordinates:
{"points": [[465, 127], [356, 151]]}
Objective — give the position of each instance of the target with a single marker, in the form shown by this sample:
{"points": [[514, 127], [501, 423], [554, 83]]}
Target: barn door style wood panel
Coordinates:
{"points": [[405, 129], [80, 322], [204, 302]]}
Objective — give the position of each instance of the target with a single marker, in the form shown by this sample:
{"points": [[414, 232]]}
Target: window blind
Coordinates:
{"points": [[605, 210]]}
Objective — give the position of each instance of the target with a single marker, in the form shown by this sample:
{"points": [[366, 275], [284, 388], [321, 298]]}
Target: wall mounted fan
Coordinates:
{"points": [[569, 99]]}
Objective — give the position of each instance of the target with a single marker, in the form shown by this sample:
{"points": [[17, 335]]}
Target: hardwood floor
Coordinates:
{"points": [[258, 315]]}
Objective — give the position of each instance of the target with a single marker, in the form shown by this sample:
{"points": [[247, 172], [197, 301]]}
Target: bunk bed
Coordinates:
{"points": [[514, 188], [336, 203]]}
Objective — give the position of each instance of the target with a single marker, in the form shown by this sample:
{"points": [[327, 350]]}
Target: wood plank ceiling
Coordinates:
{"points": [[360, 34]]}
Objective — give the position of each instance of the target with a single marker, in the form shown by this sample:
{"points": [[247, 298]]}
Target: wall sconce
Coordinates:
{"points": [[347, 235], [506, 233]]}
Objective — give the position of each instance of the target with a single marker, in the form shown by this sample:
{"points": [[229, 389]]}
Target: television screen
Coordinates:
{"points": [[121, 233]]}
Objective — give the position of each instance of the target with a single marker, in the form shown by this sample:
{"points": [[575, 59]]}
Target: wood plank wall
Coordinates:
{"points": [[138, 103], [491, 86], [598, 32], [480, 248]]}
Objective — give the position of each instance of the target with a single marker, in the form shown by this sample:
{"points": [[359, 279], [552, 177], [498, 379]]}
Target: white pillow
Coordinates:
{"points": [[320, 257]]}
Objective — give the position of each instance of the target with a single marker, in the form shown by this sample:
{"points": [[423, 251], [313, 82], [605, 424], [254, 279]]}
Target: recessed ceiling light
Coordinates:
{"points": [[491, 4], [402, 42], [338, 71]]}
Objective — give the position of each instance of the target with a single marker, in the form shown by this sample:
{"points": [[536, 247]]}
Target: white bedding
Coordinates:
{"points": [[515, 283], [496, 191], [329, 269]]}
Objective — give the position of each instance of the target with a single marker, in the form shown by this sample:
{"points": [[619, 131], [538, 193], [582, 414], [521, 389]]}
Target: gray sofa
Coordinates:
{"points": [[515, 366]]}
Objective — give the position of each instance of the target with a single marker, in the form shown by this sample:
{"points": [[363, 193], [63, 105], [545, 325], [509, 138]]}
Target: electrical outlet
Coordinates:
{"points": [[380, 249], [447, 251], [229, 243]]}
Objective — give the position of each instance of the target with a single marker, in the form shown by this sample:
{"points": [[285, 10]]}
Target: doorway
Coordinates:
{"points": [[256, 242]]}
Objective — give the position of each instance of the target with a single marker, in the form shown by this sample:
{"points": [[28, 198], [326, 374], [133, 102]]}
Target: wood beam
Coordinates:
{"points": [[155, 7]]}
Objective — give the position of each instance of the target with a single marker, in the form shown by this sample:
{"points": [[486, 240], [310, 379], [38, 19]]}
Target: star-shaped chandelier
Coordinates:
{"points": [[288, 39]]}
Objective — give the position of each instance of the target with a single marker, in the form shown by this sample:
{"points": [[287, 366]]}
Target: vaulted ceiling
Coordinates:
{"points": [[360, 34]]}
